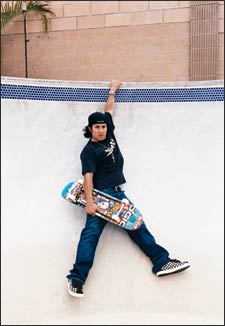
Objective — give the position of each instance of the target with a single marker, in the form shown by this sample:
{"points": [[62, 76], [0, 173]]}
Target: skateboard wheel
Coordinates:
{"points": [[125, 201]]}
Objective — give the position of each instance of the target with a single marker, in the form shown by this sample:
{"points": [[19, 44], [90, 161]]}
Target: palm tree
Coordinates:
{"points": [[11, 9]]}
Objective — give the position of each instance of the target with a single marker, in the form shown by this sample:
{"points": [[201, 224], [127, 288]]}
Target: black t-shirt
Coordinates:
{"points": [[104, 160]]}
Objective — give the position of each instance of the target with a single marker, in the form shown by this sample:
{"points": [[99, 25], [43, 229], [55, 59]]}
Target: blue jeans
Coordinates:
{"points": [[91, 233]]}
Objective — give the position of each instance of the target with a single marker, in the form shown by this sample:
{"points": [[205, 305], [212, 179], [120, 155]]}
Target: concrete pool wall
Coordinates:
{"points": [[171, 136]]}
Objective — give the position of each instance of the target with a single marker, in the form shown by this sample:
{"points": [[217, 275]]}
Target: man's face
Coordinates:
{"points": [[99, 131]]}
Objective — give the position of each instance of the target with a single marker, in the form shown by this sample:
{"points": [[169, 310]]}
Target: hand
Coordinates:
{"points": [[115, 84], [92, 209]]}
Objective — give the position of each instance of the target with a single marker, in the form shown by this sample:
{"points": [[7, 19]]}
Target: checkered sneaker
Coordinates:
{"points": [[173, 266], [75, 288]]}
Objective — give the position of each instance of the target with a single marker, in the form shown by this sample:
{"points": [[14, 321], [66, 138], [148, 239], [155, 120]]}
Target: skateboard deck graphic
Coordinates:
{"points": [[118, 212]]}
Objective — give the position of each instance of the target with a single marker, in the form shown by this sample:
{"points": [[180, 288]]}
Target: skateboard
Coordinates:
{"points": [[119, 212]]}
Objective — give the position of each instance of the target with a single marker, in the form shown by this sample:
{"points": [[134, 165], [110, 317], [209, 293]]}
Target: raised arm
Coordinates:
{"points": [[114, 86]]}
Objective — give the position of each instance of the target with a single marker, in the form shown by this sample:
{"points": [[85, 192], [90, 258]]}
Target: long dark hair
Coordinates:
{"points": [[86, 132]]}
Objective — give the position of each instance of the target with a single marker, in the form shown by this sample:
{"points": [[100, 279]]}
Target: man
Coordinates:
{"points": [[102, 168]]}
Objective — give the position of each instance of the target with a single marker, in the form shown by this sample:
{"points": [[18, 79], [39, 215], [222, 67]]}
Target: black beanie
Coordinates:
{"points": [[96, 117]]}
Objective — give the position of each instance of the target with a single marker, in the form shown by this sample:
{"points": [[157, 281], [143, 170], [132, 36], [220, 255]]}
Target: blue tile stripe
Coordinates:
{"points": [[47, 93]]}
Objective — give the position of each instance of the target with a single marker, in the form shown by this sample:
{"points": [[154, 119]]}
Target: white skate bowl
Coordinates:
{"points": [[171, 136]]}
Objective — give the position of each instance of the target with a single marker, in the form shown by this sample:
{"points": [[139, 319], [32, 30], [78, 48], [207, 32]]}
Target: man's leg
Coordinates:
{"points": [[86, 248], [146, 242], [162, 264]]}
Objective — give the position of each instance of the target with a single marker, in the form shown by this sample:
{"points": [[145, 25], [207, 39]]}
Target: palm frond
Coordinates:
{"points": [[12, 9], [42, 7]]}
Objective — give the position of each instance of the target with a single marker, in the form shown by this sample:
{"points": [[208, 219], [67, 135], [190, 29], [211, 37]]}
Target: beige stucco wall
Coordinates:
{"points": [[101, 40]]}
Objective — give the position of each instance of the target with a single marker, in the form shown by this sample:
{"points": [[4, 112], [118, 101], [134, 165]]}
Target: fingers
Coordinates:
{"points": [[115, 83], [99, 210], [92, 209]]}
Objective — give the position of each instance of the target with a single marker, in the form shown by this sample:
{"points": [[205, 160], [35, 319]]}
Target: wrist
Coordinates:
{"points": [[112, 91]]}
